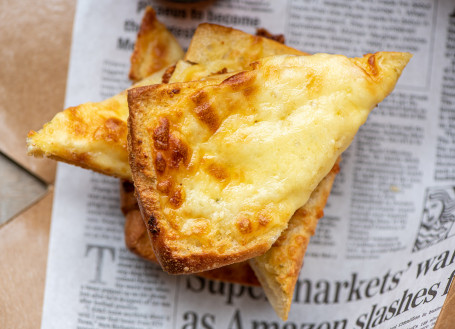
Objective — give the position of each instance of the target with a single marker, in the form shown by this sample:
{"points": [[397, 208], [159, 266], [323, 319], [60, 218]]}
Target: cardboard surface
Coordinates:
{"points": [[23, 256], [36, 39], [18, 189]]}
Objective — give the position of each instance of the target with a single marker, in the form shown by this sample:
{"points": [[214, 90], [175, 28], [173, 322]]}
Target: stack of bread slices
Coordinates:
{"points": [[227, 153]]}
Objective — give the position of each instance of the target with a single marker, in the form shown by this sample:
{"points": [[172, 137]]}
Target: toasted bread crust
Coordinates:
{"points": [[155, 48], [211, 41], [138, 241], [278, 269], [261, 32]]}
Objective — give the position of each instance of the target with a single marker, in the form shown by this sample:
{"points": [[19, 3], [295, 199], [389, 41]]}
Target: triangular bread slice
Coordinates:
{"points": [[278, 269], [155, 48], [221, 168], [91, 135]]}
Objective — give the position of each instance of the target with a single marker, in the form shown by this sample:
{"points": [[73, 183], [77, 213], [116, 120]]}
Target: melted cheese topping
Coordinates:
{"points": [[91, 135], [234, 161]]}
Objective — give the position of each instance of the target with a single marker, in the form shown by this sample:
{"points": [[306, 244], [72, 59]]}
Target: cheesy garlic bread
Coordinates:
{"points": [[220, 167]]}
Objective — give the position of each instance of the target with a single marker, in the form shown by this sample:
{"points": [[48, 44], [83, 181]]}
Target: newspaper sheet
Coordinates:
{"points": [[384, 254]]}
